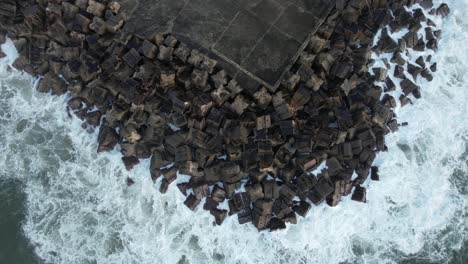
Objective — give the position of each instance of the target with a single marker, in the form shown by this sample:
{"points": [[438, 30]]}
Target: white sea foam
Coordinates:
{"points": [[81, 211]]}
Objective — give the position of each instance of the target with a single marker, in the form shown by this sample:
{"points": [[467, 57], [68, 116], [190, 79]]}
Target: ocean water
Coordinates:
{"points": [[61, 202]]}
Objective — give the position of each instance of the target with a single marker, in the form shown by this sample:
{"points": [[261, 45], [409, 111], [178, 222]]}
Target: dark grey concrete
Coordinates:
{"points": [[271, 56], [241, 36], [255, 39]]}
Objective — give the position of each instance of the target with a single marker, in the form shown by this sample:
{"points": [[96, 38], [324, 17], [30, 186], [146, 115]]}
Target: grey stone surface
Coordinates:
{"points": [[297, 23], [241, 36], [270, 53], [148, 17], [204, 21], [267, 10], [257, 40]]}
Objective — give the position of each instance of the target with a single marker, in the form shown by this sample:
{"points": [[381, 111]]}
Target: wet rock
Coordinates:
{"points": [[164, 186], [148, 49], [201, 191], [219, 215], [302, 208], [182, 52], [56, 84], [432, 44], [8, 9], [398, 59], [429, 34], [93, 118], [320, 191], [170, 41], [131, 58], [130, 182], [169, 174], [165, 53], [399, 72], [218, 194], [419, 16], [443, 10], [315, 82], [276, 224], [426, 4], [130, 162], [380, 74], [420, 45], [244, 216], [427, 75], [263, 97], [341, 69], [167, 79], [404, 100], [262, 210], [324, 61], [386, 44], [75, 103], [254, 191], [420, 62], [375, 173], [20, 63], [114, 7], [239, 105], [200, 78], [408, 86], [99, 26], [316, 44], [414, 70], [359, 194], [95, 8], [401, 45], [107, 139], [411, 39], [208, 64]]}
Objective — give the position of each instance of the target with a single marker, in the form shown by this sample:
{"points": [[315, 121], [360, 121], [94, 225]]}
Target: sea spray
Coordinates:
{"points": [[81, 211]]}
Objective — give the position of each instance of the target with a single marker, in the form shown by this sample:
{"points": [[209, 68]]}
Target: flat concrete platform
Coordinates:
{"points": [[256, 41]]}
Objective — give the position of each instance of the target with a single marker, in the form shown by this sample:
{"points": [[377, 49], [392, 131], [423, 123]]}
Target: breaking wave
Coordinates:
{"points": [[79, 209]]}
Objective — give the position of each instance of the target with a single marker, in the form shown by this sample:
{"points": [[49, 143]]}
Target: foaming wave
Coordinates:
{"points": [[81, 211]]}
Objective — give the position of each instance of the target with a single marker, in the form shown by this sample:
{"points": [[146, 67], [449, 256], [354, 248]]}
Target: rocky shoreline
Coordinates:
{"points": [[159, 99]]}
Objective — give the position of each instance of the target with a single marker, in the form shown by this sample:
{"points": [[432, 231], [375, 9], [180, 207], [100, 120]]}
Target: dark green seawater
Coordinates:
{"points": [[15, 248]]}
